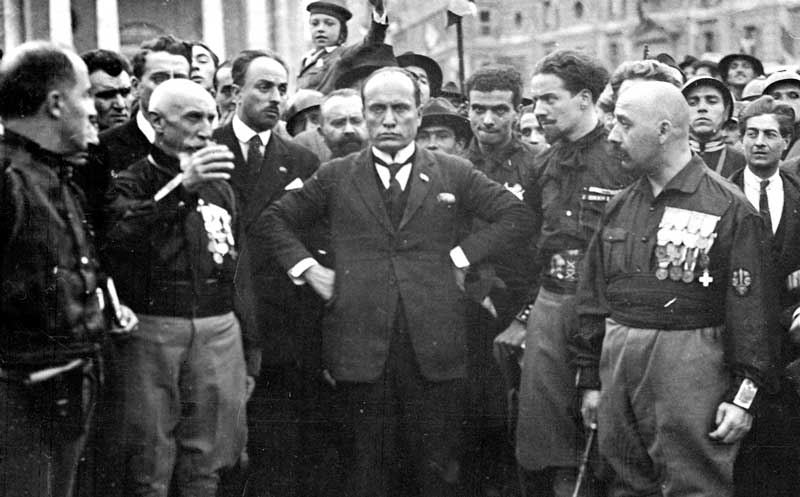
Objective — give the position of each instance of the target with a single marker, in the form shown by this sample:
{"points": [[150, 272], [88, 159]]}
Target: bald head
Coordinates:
{"points": [[177, 92], [657, 101], [182, 113]]}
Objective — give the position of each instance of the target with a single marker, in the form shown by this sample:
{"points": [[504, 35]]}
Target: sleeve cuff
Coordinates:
{"points": [[459, 258], [743, 393], [795, 314], [380, 19], [587, 378], [296, 272]]}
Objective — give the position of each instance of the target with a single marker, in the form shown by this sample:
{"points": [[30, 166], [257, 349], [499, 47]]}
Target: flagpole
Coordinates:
{"points": [[460, 38]]}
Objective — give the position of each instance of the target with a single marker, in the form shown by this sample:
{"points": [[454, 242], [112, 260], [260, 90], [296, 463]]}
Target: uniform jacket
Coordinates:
{"points": [[160, 252], [378, 265], [514, 168], [319, 72], [275, 312], [620, 280], [48, 306]]}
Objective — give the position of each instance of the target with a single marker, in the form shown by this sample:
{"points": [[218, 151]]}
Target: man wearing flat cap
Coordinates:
{"points": [[427, 72], [711, 106], [738, 69], [443, 129]]}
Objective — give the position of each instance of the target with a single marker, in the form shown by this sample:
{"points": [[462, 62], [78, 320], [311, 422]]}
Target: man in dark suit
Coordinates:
{"points": [[769, 461], [158, 60], [280, 318], [393, 334]]}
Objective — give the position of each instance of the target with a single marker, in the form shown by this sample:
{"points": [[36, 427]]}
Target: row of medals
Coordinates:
{"points": [[217, 223], [683, 242]]}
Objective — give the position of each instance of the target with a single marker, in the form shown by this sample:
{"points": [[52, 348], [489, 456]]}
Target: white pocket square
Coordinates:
{"points": [[296, 184]]}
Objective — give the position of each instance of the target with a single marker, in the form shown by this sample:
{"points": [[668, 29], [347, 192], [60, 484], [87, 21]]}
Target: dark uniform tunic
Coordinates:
{"points": [[50, 315], [673, 348], [721, 158], [576, 180]]}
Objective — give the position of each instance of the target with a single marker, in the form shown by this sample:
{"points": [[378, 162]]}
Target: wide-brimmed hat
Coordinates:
{"points": [[727, 97], [369, 59], [430, 66], [335, 8], [725, 63], [440, 112], [754, 88], [303, 100]]}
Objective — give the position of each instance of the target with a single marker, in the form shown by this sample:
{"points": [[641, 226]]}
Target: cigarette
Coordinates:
{"points": [[166, 189]]}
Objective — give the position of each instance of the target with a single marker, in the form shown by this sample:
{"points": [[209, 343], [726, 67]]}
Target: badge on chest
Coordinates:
{"points": [[683, 242]]}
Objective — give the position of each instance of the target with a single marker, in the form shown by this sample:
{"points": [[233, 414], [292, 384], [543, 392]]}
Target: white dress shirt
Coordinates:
{"points": [[145, 127], [245, 133], [752, 190]]}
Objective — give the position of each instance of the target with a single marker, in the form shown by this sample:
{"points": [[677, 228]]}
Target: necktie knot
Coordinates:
{"points": [[764, 185]]}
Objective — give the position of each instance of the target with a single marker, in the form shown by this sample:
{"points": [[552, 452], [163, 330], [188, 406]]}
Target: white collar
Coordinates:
{"points": [[245, 133], [145, 127], [754, 182], [401, 157]]}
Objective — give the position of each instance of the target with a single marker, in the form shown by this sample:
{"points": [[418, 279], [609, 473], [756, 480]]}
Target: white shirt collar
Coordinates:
{"points": [[245, 133], [753, 181], [145, 127], [752, 190], [401, 157]]}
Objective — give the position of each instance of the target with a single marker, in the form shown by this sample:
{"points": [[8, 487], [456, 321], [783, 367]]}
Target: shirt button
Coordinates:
{"points": [[84, 260], [644, 239], [568, 213], [652, 208]]}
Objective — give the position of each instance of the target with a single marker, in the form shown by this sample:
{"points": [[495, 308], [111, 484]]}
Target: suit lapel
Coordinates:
{"points": [[364, 180], [226, 137], [422, 176], [276, 172]]}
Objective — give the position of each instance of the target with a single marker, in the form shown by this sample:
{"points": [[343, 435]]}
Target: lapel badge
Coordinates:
{"points": [[516, 190], [283, 170], [446, 198], [741, 281], [424, 177]]}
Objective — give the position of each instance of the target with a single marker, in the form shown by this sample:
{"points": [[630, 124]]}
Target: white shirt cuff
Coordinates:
{"points": [[296, 272], [459, 259], [380, 19], [795, 314]]}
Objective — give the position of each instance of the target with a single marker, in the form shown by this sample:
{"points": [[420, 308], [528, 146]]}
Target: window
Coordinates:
{"points": [[485, 18], [518, 19], [709, 41], [578, 10]]}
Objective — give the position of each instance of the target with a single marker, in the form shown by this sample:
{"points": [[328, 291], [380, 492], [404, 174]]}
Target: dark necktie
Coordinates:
{"points": [[395, 192], [254, 157], [763, 204]]}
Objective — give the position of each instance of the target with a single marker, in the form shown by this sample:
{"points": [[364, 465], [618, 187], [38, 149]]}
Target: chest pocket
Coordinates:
{"points": [[615, 250], [592, 204]]}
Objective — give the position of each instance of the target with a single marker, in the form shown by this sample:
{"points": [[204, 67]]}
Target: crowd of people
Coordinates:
{"points": [[377, 285]]}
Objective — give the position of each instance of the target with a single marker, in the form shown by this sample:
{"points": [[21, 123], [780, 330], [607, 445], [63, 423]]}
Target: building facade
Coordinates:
{"points": [[520, 32]]}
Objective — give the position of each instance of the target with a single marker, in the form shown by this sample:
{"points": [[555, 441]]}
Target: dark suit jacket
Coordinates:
{"points": [[786, 246], [377, 264], [275, 313]]}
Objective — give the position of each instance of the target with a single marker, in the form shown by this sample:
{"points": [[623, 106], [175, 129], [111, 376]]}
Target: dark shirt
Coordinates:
{"points": [[161, 253], [725, 165], [576, 180], [513, 167], [620, 279], [49, 308]]}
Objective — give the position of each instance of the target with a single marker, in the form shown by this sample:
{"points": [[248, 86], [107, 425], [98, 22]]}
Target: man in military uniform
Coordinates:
{"points": [[673, 325], [51, 306], [575, 179], [711, 106], [171, 239], [498, 287]]}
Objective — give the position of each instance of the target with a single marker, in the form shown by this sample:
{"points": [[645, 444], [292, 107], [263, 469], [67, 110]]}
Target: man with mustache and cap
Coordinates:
{"points": [[711, 106], [576, 178], [328, 22], [279, 317], [738, 69]]}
